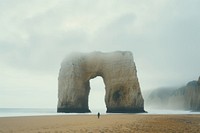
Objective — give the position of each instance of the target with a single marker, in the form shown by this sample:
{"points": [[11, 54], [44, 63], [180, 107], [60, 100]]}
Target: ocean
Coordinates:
{"points": [[10, 112], [16, 112], [13, 112]]}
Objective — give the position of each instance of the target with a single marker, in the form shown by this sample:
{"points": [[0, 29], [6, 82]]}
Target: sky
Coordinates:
{"points": [[36, 35]]}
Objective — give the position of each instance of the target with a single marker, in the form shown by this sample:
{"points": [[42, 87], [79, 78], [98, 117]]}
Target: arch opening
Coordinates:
{"points": [[97, 95]]}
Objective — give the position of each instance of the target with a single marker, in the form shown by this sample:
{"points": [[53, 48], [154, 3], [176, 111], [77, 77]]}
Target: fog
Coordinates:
{"points": [[36, 36], [97, 95]]}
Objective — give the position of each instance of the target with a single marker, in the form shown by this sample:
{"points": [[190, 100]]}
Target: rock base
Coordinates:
{"points": [[72, 110], [126, 110]]}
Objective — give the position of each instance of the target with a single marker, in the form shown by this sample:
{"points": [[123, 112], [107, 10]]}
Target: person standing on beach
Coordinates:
{"points": [[98, 115]]}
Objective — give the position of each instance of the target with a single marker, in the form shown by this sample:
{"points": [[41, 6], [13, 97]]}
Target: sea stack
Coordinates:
{"points": [[118, 70]]}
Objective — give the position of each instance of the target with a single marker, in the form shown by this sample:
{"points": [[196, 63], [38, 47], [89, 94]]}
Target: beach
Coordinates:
{"points": [[109, 123]]}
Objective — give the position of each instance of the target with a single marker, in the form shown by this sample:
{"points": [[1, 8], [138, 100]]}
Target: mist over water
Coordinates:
{"points": [[186, 97]]}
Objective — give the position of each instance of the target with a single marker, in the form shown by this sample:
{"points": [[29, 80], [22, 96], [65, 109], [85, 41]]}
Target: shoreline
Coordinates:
{"points": [[107, 123], [16, 113]]}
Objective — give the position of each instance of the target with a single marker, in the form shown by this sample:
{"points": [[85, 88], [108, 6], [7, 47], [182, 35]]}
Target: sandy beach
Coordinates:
{"points": [[112, 123]]}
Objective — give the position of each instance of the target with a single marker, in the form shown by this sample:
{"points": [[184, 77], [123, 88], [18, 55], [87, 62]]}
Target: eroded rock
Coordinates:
{"points": [[119, 74], [184, 98]]}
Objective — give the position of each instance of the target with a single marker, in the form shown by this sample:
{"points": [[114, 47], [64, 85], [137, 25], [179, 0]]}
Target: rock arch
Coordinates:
{"points": [[118, 70]]}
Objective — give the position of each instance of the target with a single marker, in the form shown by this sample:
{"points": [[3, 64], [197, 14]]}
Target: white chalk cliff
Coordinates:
{"points": [[119, 74], [184, 98]]}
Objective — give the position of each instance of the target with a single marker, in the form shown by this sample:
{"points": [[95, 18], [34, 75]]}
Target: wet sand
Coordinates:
{"points": [[112, 123]]}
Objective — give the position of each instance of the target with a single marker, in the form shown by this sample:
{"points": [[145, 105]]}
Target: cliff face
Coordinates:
{"points": [[187, 97], [192, 95], [118, 71]]}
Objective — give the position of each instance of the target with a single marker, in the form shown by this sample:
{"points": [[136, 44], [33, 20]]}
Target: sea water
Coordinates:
{"points": [[165, 111], [12, 112], [15, 112]]}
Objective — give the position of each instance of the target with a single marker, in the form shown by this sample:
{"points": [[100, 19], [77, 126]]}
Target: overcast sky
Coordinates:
{"points": [[35, 36]]}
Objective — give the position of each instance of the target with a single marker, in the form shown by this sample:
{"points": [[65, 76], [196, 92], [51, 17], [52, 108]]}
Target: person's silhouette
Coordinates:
{"points": [[98, 115]]}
